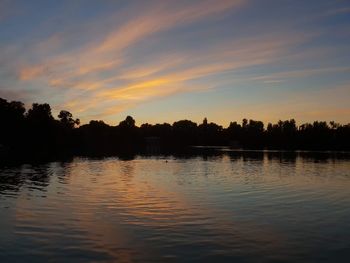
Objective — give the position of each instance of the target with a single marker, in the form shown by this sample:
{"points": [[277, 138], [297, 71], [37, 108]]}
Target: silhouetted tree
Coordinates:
{"points": [[40, 113], [234, 132], [184, 132], [36, 132], [129, 122], [209, 133], [12, 123], [66, 118], [252, 133], [205, 122]]}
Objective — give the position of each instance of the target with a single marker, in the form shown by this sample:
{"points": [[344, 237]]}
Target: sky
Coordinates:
{"points": [[162, 61]]}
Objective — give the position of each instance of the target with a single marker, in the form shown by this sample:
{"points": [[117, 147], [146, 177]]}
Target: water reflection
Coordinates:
{"points": [[215, 206], [35, 178]]}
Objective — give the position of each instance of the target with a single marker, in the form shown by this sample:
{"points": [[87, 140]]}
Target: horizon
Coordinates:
{"points": [[161, 61], [175, 131], [138, 124]]}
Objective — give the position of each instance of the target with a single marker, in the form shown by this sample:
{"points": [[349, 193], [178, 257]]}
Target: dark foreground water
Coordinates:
{"points": [[228, 207]]}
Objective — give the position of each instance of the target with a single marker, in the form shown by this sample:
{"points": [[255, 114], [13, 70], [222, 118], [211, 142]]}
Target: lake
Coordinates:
{"points": [[225, 206]]}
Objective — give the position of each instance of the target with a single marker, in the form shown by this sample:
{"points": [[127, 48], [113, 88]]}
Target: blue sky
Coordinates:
{"points": [[162, 61]]}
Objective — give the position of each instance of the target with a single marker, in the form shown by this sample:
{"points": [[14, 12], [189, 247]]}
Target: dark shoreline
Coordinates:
{"points": [[183, 153], [35, 134]]}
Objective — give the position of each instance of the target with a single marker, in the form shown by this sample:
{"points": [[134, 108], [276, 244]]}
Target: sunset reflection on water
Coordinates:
{"points": [[255, 207]]}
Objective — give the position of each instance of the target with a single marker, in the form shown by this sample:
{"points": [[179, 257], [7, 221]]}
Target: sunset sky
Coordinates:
{"points": [[162, 61]]}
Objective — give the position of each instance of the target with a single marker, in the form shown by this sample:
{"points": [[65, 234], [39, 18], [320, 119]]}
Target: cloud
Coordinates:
{"points": [[286, 75], [120, 61], [77, 69], [18, 95], [157, 18], [29, 73], [170, 75]]}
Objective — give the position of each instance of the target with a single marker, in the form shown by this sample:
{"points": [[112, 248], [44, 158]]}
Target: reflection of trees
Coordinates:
{"points": [[127, 171], [10, 181], [39, 176], [30, 176], [286, 157]]}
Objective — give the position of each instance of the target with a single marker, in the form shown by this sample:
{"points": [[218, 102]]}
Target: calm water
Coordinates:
{"points": [[229, 207]]}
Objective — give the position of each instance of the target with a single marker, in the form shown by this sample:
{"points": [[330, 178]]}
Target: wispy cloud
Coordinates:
{"points": [[77, 69], [297, 74], [145, 83], [139, 26], [113, 63]]}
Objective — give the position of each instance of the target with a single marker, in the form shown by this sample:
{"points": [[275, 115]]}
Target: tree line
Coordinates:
{"points": [[37, 132]]}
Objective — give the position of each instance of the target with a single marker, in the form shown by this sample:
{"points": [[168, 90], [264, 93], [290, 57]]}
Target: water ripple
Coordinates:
{"points": [[248, 209]]}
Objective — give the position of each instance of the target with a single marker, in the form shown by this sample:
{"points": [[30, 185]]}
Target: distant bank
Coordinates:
{"points": [[36, 133]]}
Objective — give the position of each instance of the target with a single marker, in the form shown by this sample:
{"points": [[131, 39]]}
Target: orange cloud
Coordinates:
{"points": [[153, 20], [110, 96], [159, 18], [32, 72], [99, 78]]}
